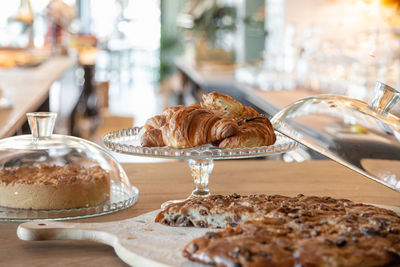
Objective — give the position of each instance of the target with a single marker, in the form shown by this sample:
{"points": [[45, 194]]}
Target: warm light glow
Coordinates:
{"points": [[369, 7], [386, 3], [389, 10], [390, 3]]}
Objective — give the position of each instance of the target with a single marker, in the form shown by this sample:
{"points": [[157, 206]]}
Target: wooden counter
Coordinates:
{"points": [[159, 182], [28, 88]]}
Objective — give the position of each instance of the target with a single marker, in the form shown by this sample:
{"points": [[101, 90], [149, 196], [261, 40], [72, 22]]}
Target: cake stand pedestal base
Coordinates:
{"points": [[201, 170]]}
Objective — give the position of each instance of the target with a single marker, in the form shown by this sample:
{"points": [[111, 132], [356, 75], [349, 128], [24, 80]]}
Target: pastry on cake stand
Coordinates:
{"points": [[200, 158]]}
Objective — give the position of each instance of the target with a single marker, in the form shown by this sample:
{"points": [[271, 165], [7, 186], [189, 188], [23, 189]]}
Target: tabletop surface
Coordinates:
{"points": [[28, 88], [159, 182]]}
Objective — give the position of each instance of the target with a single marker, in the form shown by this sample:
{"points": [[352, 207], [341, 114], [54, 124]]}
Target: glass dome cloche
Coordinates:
{"points": [[364, 137], [55, 177]]}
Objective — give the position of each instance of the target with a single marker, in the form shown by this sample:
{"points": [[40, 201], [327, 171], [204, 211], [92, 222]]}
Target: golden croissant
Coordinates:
{"points": [[158, 121], [192, 126], [226, 106], [187, 127], [152, 137], [219, 120], [253, 132], [153, 134]]}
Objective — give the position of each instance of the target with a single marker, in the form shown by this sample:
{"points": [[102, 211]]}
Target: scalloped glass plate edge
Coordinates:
{"points": [[23, 215], [127, 141]]}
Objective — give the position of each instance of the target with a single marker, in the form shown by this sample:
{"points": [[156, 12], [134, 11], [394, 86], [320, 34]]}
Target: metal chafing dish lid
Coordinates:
{"points": [[364, 137]]}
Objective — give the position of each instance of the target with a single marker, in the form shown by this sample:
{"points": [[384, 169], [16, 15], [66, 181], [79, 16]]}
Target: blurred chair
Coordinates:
{"points": [[107, 121]]}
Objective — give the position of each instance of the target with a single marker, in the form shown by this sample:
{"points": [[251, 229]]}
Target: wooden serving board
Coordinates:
{"points": [[137, 241]]}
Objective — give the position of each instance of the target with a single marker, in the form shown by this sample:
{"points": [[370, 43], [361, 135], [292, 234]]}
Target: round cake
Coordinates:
{"points": [[53, 187]]}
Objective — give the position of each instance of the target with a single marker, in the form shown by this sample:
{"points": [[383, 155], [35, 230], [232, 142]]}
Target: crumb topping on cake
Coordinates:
{"points": [[52, 174], [300, 231]]}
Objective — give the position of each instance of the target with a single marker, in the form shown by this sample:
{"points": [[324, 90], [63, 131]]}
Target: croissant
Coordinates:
{"points": [[168, 112], [226, 106], [158, 121], [155, 122], [212, 121], [253, 132], [152, 137], [192, 126]]}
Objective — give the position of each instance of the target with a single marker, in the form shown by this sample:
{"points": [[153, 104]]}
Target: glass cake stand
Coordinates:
{"points": [[200, 159]]}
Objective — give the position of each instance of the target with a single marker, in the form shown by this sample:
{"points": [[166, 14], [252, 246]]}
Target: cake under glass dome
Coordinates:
{"points": [[76, 177]]}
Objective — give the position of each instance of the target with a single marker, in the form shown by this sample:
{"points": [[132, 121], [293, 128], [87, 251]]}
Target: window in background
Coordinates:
{"points": [[129, 38], [9, 32], [15, 33]]}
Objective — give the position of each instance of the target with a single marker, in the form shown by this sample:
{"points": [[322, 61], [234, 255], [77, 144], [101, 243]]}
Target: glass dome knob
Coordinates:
{"points": [[41, 123], [385, 97]]}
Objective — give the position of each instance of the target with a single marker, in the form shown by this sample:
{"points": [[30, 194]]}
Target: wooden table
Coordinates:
{"points": [[28, 88], [159, 182]]}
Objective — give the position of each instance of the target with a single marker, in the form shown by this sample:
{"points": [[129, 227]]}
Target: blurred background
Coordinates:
{"points": [[111, 64]]}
